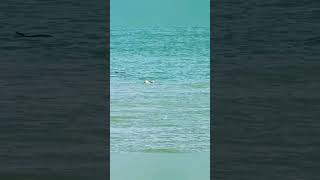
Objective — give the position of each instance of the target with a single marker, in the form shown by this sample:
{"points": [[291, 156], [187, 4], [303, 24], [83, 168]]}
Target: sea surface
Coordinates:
{"points": [[172, 114], [160, 130], [159, 166], [265, 87], [53, 91]]}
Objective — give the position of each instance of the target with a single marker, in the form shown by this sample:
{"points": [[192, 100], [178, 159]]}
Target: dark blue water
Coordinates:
{"points": [[265, 58], [53, 91]]}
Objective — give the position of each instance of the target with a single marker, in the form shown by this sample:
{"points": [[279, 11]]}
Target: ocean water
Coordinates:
{"points": [[53, 91], [159, 166], [172, 114], [265, 58], [160, 130]]}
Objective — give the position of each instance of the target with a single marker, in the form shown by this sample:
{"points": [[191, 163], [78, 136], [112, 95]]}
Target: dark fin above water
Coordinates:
{"points": [[36, 35], [20, 34]]}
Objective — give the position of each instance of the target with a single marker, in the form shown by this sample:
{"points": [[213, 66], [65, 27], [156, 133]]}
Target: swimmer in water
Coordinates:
{"points": [[148, 81]]}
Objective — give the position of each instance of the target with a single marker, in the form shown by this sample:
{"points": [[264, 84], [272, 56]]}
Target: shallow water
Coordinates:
{"points": [[172, 114], [150, 166]]}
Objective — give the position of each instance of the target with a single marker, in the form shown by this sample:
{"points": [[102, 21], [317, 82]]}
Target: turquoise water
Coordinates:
{"points": [[160, 130], [172, 114], [145, 166]]}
